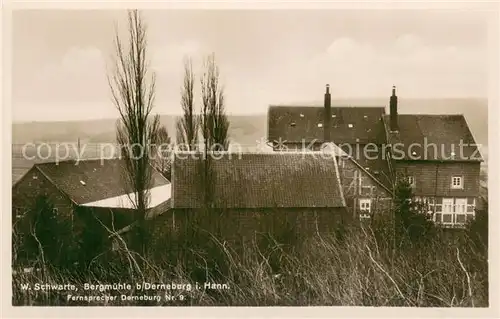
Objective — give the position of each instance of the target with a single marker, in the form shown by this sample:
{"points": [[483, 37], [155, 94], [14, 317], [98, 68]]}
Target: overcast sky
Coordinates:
{"points": [[265, 57]]}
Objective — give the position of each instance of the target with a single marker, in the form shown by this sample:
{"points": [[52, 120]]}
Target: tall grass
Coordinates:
{"points": [[364, 267]]}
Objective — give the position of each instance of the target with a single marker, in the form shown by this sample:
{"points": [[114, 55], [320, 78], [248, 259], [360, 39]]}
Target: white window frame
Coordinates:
{"points": [[454, 185], [411, 180], [455, 206], [363, 212], [448, 210]]}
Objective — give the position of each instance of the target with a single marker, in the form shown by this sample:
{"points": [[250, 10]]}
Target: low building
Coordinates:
{"points": [[89, 186], [247, 193]]}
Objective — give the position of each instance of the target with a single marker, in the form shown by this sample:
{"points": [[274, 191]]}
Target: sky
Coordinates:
{"points": [[60, 58]]}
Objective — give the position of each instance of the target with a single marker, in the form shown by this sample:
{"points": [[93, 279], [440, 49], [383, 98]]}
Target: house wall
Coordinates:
{"points": [[32, 185], [242, 225], [434, 178], [357, 185], [450, 207]]}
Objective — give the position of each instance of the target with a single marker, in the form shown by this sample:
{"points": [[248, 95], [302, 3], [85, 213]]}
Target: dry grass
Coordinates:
{"points": [[362, 269]]}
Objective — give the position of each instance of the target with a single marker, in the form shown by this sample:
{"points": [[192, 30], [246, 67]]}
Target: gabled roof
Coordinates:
{"points": [[447, 132], [94, 181], [257, 180], [349, 124]]}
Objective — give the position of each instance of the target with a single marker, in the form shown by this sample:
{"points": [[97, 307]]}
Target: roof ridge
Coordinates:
{"points": [[321, 106], [78, 160], [429, 114]]}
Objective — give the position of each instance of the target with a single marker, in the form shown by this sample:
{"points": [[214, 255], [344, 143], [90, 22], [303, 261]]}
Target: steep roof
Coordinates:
{"points": [[446, 132], [257, 180], [349, 124], [90, 181]]}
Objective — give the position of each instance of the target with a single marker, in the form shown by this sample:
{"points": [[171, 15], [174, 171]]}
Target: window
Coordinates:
{"points": [[457, 182], [411, 181], [454, 212], [471, 205], [365, 208]]}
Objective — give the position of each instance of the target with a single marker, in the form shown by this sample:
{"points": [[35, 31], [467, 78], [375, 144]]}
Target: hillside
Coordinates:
{"points": [[246, 129]]}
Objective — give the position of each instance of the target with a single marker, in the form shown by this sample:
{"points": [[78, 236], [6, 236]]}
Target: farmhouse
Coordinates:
{"points": [[92, 186], [380, 147], [365, 175], [438, 155]]}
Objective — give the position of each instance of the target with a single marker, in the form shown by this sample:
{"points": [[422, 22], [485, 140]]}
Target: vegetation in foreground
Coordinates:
{"points": [[366, 266]]}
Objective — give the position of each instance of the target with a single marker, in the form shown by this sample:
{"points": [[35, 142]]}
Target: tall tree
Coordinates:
{"points": [[132, 87], [215, 123], [163, 152], [187, 126]]}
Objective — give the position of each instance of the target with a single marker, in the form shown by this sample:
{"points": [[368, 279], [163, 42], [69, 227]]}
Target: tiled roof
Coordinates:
{"points": [[292, 180], [373, 161], [349, 124], [91, 180], [446, 132]]}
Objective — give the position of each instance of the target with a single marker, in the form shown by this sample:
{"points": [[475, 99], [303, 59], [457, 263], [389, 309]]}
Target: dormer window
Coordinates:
{"points": [[457, 182], [320, 124], [301, 115], [334, 116], [292, 124]]}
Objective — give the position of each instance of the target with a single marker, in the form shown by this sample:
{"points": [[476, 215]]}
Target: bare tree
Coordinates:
{"points": [[187, 126], [132, 87], [163, 151], [215, 123]]}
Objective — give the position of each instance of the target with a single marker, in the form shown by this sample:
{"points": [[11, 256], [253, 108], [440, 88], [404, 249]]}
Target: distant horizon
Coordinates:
{"points": [[250, 113]]}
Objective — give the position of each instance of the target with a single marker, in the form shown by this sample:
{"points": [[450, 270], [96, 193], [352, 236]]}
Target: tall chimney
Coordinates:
{"points": [[327, 115], [393, 105]]}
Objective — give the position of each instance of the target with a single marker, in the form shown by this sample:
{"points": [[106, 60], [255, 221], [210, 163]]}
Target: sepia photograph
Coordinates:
{"points": [[257, 158]]}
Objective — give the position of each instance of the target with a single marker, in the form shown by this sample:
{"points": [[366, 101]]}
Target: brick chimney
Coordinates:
{"points": [[327, 115], [393, 109]]}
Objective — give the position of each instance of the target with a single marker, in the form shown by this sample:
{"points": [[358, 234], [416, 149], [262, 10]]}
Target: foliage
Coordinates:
{"points": [[412, 223], [45, 237]]}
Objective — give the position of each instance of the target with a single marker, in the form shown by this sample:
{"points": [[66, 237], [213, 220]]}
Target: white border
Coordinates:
{"points": [[493, 311]]}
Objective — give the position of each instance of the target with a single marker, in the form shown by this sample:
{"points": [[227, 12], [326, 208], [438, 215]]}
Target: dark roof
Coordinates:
{"points": [[372, 160], [447, 132], [102, 178], [295, 123], [247, 180]]}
